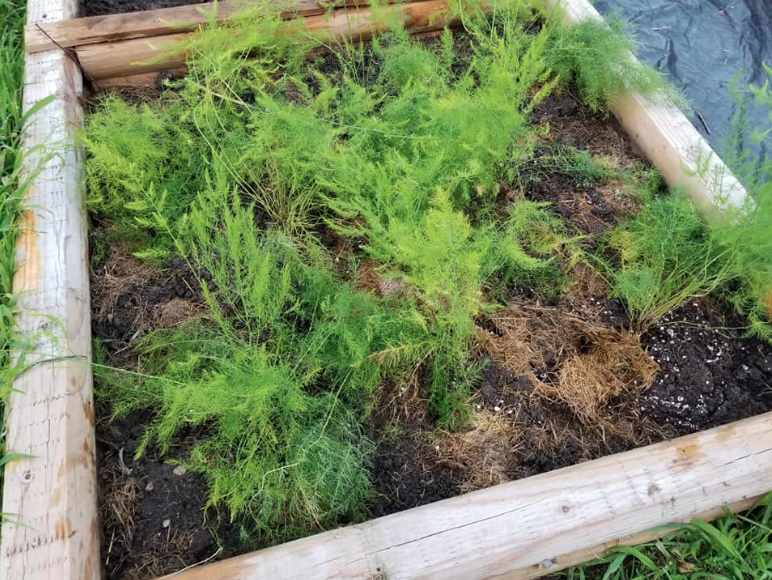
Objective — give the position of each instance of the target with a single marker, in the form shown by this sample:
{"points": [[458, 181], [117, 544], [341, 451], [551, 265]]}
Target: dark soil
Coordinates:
{"points": [[99, 7], [592, 208], [575, 125], [153, 517], [406, 470], [709, 375]]}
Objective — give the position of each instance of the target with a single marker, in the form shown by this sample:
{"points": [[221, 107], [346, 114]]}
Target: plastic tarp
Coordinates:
{"points": [[700, 45]]}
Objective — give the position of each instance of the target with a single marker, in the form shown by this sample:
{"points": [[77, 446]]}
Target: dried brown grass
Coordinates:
{"points": [[369, 279], [485, 452], [118, 274], [168, 552], [175, 312], [118, 504], [615, 365], [581, 364]]}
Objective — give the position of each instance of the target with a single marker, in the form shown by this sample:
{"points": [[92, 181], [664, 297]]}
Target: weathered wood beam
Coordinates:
{"points": [[132, 57], [536, 525], [40, 37]]}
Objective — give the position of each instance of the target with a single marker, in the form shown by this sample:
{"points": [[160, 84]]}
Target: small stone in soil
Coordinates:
{"points": [[179, 470], [166, 523], [150, 486]]}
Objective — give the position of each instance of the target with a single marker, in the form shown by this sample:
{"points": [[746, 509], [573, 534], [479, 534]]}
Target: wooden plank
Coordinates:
{"points": [[595, 552], [131, 57], [52, 531], [150, 80], [534, 526], [149, 23], [147, 80], [666, 136]]}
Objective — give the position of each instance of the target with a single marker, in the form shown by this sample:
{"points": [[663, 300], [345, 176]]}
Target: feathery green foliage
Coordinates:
{"points": [[666, 255], [669, 253], [595, 56], [748, 229]]}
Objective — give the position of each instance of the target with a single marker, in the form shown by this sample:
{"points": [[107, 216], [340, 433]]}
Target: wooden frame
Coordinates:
{"points": [[142, 55], [518, 530], [116, 27]]}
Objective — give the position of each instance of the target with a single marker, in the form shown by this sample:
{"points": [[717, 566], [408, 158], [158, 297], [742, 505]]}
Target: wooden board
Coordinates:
{"points": [[114, 27], [666, 136], [150, 81], [52, 531], [133, 57], [534, 526]]}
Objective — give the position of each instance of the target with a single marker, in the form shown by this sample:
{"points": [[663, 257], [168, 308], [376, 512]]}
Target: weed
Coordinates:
{"points": [[579, 166], [734, 546], [12, 188], [666, 255], [526, 251]]}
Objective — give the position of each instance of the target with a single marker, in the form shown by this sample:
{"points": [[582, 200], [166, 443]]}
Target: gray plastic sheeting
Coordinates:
{"points": [[700, 45]]}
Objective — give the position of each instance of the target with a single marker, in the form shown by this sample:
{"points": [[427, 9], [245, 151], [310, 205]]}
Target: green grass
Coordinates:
{"points": [[12, 15], [666, 255], [734, 547], [403, 149]]}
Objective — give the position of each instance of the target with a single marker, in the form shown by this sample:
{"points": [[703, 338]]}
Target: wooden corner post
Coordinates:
{"points": [[51, 528]]}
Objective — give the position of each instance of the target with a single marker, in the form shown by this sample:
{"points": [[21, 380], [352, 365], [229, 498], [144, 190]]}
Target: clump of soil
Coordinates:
{"points": [[592, 208], [407, 469], [709, 375], [153, 517]]}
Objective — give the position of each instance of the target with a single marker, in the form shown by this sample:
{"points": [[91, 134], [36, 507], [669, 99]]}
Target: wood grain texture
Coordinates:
{"points": [[149, 23], [52, 531], [150, 80], [132, 57], [534, 526], [666, 136]]}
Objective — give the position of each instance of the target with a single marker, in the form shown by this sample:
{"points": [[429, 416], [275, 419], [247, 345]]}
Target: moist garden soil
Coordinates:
{"points": [[153, 514]]}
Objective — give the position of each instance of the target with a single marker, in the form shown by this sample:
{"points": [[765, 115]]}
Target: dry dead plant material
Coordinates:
{"points": [[526, 339], [616, 364], [120, 273], [485, 452], [175, 312], [168, 551], [368, 278], [569, 360], [118, 499], [586, 293], [616, 195]]}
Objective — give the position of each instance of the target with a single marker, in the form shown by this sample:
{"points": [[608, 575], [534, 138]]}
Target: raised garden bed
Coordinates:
{"points": [[549, 370]]}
